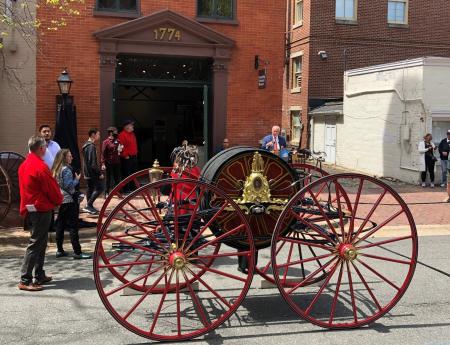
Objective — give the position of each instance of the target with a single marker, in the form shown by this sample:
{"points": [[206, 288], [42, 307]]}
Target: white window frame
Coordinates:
{"points": [[295, 112], [295, 86], [298, 20], [347, 18], [405, 21]]}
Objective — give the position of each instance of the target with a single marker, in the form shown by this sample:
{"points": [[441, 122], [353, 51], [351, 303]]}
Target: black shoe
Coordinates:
{"points": [[81, 256], [90, 210], [61, 254]]}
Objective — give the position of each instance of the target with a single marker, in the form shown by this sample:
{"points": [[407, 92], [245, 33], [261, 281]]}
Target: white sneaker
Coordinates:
{"points": [[424, 184], [432, 185], [443, 184]]}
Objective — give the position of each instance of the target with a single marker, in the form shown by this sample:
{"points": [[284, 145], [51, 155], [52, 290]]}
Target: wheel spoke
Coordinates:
{"points": [[378, 274], [138, 303], [161, 302], [191, 220], [377, 244], [132, 244], [324, 215], [148, 199], [217, 239], [215, 293], [369, 215], [133, 263], [288, 261], [352, 293], [341, 220], [221, 255], [177, 291], [355, 209], [310, 276], [120, 288], [386, 259], [319, 293], [320, 232], [195, 301], [195, 239], [305, 260], [175, 214], [305, 243], [378, 227], [367, 286], [336, 294], [224, 274]]}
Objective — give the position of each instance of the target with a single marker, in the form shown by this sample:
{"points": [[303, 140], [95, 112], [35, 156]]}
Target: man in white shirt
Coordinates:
{"points": [[52, 146]]}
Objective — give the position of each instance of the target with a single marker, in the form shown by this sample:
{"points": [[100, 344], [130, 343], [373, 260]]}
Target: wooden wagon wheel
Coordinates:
{"points": [[11, 161], [139, 179], [5, 193], [368, 263], [183, 295]]}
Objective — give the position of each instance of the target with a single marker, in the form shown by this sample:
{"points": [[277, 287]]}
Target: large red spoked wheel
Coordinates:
{"points": [[307, 173], [5, 193], [165, 245], [366, 257]]}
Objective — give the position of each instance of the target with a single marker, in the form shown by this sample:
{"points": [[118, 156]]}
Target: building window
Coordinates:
{"points": [[298, 12], [117, 5], [346, 9], [219, 9], [296, 126], [296, 74], [398, 11]]}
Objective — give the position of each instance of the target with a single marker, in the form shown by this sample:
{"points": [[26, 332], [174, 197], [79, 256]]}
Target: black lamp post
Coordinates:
{"points": [[64, 84]]}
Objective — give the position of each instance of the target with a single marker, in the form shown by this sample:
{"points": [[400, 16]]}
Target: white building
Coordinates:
{"points": [[387, 109]]}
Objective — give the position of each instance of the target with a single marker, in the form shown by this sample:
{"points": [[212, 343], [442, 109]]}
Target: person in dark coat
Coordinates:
{"points": [[444, 150], [111, 148], [274, 142], [91, 170]]}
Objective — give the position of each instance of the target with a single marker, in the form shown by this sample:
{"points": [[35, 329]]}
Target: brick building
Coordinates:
{"points": [[327, 37], [180, 69]]}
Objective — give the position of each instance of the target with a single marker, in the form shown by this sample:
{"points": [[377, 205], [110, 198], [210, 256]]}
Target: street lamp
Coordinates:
{"points": [[64, 82]]}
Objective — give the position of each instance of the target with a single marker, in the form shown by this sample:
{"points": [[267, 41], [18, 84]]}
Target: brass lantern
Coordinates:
{"points": [[155, 173]]}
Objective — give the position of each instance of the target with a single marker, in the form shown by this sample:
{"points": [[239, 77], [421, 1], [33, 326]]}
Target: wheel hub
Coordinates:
{"points": [[177, 260], [347, 252]]}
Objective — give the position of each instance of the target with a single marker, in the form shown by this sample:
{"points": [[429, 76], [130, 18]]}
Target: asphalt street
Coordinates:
{"points": [[69, 311]]}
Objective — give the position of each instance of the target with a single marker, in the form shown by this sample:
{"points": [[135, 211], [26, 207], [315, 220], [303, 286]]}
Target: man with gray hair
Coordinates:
{"points": [[274, 142], [39, 195]]}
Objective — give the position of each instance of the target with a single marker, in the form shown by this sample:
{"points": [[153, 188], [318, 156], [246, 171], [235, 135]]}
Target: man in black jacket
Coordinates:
{"points": [[91, 170], [444, 149]]}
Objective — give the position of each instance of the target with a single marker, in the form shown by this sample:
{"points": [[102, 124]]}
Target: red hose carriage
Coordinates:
{"points": [[325, 241]]}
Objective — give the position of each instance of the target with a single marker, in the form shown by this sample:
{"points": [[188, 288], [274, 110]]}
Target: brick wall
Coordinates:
{"points": [[370, 41], [251, 112]]}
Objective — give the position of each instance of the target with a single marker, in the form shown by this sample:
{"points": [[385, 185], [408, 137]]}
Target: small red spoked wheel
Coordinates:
{"points": [[5, 193], [187, 273], [366, 257], [307, 173]]}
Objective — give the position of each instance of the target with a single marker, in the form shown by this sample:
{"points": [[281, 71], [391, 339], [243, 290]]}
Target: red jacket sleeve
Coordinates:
{"points": [[50, 188]]}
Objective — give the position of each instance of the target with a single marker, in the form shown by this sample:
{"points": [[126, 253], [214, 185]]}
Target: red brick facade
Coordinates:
{"points": [[250, 111], [369, 41]]}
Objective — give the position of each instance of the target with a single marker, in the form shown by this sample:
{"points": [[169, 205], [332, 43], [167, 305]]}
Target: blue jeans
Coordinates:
{"points": [[444, 167]]}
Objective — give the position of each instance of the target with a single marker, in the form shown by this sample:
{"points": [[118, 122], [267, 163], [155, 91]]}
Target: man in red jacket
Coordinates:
{"points": [[39, 195], [128, 156]]}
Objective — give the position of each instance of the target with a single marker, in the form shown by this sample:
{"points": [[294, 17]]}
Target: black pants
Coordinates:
{"points": [[129, 167], [112, 176], [68, 219], [35, 254], [95, 188], [429, 166]]}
